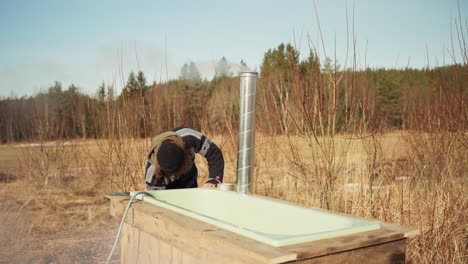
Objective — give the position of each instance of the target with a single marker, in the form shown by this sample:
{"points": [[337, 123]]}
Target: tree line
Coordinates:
{"points": [[294, 96]]}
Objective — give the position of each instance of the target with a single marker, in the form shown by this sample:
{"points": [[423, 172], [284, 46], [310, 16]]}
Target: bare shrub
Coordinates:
{"points": [[50, 162], [118, 165]]}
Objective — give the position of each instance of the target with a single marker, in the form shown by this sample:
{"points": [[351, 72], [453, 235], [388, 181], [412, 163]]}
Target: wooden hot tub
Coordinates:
{"points": [[212, 226]]}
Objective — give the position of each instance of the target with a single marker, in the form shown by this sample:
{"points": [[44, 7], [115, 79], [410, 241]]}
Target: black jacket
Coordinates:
{"points": [[198, 143]]}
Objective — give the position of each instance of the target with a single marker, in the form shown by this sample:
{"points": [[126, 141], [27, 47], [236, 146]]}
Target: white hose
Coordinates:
{"points": [[122, 222]]}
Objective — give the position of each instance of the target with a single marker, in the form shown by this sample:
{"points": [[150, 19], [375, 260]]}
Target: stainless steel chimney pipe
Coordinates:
{"points": [[246, 143]]}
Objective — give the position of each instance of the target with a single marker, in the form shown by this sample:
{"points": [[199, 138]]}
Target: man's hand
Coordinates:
{"points": [[209, 185]]}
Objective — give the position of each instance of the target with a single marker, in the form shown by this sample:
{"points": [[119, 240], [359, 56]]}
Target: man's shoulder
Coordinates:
{"points": [[187, 131]]}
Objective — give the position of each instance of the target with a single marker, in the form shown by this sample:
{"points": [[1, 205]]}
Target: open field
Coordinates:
{"points": [[53, 208]]}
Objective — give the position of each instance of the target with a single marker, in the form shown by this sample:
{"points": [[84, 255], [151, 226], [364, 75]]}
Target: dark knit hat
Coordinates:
{"points": [[170, 157]]}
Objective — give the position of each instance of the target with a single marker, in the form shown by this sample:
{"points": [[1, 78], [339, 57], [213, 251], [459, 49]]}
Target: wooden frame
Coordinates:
{"points": [[153, 234]]}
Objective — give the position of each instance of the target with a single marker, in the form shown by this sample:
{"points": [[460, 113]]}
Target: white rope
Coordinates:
{"points": [[122, 222]]}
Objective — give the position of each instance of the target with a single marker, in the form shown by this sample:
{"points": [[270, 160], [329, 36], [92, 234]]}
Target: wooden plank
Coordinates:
{"points": [[141, 248], [124, 240], [343, 243], [135, 253], [196, 237], [116, 203], [391, 252], [129, 244], [176, 255], [275, 256], [408, 232], [165, 253], [148, 249], [189, 259]]}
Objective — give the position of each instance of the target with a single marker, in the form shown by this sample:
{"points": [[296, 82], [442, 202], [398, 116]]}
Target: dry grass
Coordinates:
{"points": [[53, 226], [65, 219], [402, 177]]}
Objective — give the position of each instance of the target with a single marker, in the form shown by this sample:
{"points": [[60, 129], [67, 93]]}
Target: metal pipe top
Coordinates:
{"points": [[249, 74]]}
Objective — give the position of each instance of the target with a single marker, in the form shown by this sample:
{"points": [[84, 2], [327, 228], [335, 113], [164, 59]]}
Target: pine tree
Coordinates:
{"points": [[389, 97], [280, 61], [194, 73], [132, 86], [141, 81], [101, 94], [279, 68], [184, 72], [243, 67], [190, 73], [222, 68], [310, 66]]}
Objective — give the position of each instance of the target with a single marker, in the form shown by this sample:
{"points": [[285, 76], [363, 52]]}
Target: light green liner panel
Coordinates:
{"points": [[270, 221]]}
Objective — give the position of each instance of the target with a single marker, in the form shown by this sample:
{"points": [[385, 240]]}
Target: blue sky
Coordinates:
{"points": [[88, 42]]}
